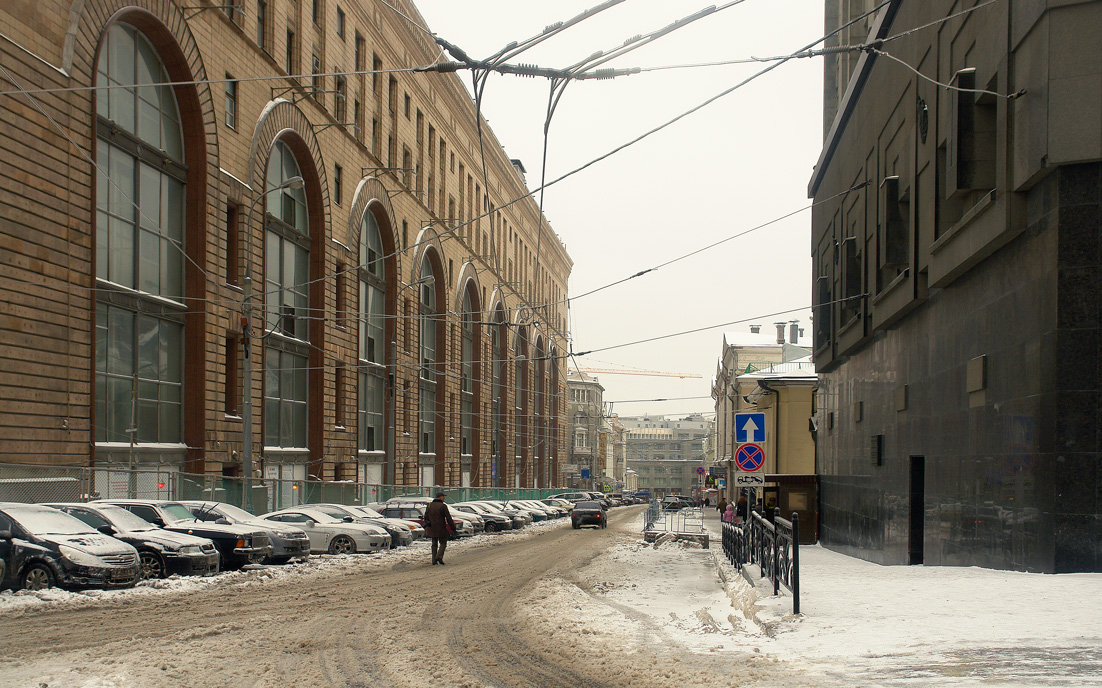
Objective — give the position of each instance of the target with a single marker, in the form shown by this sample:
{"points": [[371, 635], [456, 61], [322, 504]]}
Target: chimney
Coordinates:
{"points": [[519, 167], [793, 331], [755, 329], [780, 332]]}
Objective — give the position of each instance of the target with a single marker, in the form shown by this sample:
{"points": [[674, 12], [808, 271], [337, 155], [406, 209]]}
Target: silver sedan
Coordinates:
{"points": [[332, 535]]}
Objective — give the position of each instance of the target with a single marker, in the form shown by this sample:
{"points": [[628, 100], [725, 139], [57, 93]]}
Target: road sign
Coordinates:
{"points": [[749, 457], [749, 479], [700, 470], [749, 427]]}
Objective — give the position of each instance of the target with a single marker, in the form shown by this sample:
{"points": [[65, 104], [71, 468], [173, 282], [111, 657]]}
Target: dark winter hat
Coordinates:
{"points": [[440, 494]]}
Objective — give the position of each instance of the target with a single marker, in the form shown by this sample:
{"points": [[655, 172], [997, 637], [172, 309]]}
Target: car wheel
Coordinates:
{"points": [[153, 566], [342, 544], [37, 577]]}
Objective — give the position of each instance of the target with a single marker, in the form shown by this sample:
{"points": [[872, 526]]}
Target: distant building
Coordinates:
{"points": [[742, 353], [664, 452], [585, 414]]}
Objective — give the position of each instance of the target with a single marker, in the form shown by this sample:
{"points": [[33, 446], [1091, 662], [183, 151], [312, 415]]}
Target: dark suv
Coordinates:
{"points": [[589, 513], [237, 545], [288, 542]]}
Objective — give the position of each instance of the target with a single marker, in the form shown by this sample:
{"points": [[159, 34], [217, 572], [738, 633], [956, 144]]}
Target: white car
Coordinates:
{"points": [[525, 516], [332, 535]]}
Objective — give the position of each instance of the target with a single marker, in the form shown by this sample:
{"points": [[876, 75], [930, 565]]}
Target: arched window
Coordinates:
{"points": [[499, 353], [140, 201], [540, 415], [520, 408], [429, 317], [372, 350], [553, 417], [467, 376], [286, 304]]}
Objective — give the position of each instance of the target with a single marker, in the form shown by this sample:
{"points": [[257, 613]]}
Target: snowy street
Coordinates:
{"points": [[551, 606]]}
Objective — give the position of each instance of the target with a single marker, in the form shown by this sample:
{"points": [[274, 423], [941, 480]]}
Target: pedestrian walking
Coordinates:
{"points": [[438, 526], [722, 506], [742, 508]]}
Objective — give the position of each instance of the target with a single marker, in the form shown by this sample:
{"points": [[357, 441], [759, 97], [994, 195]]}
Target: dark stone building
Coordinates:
{"points": [[958, 290]]}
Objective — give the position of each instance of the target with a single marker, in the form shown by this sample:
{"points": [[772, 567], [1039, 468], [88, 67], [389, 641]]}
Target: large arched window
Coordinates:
{"points": [[520, 408], [498, 352], [553, 417], [286, 304], [540, 416], [372, 349], [467, 375], [429, 317], [140, 202]]}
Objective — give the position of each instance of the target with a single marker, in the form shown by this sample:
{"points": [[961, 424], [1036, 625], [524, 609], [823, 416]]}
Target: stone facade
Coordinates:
{"points": [[666, 452], [585, 409], [956, 252], [461, 250]]}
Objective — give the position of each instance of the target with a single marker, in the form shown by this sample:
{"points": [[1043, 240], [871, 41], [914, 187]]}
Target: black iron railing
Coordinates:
{"points": [[773, 546]]}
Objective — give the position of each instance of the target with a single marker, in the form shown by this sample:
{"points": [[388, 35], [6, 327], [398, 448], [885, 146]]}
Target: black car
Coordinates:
{"points": [[288, 542], [43, 547], [589, 513], [237, 545], [162, 552]]}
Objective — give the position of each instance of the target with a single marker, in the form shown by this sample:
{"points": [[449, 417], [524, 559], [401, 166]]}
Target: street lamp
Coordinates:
{"points": [[247, 368]]}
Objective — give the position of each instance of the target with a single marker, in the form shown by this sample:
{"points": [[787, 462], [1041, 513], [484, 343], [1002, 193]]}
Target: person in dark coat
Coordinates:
{"points": [[742, 508], [438, 526], [722, 506]]}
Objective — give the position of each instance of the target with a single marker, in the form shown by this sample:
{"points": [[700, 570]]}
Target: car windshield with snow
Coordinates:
{"points": [[45, 548]]}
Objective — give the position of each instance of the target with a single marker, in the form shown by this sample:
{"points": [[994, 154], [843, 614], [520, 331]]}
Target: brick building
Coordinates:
{"points": [[186, 185]]}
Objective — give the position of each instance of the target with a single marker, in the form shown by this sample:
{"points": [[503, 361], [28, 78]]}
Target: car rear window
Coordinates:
{"points": [[587, 505]]}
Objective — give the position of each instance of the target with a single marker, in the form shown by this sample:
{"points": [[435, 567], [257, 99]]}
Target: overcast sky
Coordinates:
{"points": [[742, 161]]}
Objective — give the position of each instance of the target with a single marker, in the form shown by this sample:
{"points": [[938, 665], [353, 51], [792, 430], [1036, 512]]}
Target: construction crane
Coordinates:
{"points": [[628, 371]]}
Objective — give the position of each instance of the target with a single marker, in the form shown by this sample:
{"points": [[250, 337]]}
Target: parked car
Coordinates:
{"points": [[415, 528], [589, 513], [495, 523], [548, 512], [520, 518], [43, 547], [561, 503], [573, 497], [331, 534], [552, 510], [397, 529], [676, 503], [288, 542], [532, 515], [237, 545], [466, 524], [162, 552]]}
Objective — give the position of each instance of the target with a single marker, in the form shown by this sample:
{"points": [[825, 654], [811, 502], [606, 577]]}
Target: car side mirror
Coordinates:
{"points": [[5, 534], [159, 522], [107, 529], [349, 519], [221, 521]]}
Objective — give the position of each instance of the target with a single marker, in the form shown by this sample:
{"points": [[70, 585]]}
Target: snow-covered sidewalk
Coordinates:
{"points": [[867, 624]]}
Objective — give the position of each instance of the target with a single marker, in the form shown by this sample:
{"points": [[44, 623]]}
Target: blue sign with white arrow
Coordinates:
{"points": [[749, 427]]}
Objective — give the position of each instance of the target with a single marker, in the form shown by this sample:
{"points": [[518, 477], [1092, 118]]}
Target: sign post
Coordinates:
{"points": [[750, 459]]}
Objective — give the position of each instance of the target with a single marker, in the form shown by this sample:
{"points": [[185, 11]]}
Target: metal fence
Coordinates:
{"points": [[774, 547], [31, 484]]}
